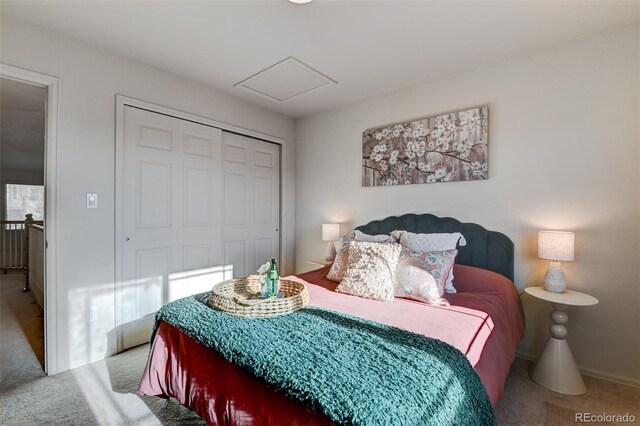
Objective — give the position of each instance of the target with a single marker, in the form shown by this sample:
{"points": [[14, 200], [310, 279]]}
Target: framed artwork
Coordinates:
{"points": [[443, 148]]}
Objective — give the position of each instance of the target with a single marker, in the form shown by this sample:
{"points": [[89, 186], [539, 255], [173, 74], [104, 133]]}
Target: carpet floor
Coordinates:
{"points": [[104, 392]]}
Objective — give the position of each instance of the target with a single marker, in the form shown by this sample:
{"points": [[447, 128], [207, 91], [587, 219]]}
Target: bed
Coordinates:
{"points": [[484, 321]]}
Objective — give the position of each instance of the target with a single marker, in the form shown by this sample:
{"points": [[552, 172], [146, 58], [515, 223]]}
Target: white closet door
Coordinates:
{"points": [[171, 217], [251, 217]]}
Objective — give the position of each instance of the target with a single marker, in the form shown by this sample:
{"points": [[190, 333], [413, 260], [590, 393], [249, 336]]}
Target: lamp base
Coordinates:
{"points": [[554, 280], [330, 253]]}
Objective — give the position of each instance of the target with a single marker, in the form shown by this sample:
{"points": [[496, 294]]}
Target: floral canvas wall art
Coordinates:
{"points": [[443, 148]]}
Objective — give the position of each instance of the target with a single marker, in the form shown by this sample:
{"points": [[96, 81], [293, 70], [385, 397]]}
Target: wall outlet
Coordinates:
{"points": [[92, 314]]}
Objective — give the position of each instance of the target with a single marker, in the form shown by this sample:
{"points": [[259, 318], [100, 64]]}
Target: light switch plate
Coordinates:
{"points": [[92, 201]]}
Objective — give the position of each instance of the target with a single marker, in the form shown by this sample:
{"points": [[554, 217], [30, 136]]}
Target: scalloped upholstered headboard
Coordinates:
{"points": [[485, 249]]}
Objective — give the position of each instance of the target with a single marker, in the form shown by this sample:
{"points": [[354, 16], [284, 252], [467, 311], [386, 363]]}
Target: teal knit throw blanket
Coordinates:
{"points": [[356, 371]]}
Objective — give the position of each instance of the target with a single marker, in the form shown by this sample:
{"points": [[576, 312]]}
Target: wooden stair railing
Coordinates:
{"points": [[14, 235]]}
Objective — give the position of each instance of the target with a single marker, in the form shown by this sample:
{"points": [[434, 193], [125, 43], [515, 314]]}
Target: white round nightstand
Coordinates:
{"points": [[556, 369]]}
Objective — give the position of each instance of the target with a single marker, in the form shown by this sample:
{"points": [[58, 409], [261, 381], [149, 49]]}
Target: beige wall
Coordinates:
{"points": [[90, 78], [564, 154]]}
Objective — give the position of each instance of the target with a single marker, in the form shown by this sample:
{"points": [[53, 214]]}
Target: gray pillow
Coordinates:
{"points": [[382, 238]]}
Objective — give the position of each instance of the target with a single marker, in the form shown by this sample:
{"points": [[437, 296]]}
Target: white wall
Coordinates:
{"points": [[90, 78], [564, 154]]}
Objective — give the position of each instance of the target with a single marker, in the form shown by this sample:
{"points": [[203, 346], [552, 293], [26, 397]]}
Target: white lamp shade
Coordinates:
{"points": [[556, 245], [330, 231]]}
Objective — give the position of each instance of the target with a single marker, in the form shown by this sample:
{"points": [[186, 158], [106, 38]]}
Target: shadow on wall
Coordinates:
{"points": [[108, 386], [93, 330]]}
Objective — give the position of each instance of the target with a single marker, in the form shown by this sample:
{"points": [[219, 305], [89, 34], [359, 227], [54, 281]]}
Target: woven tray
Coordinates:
{"points": [[238, 298]]}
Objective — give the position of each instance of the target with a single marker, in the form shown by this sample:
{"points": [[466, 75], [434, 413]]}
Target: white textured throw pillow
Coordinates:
{"points": [[371, 270], [424, 243], [342, 251]]}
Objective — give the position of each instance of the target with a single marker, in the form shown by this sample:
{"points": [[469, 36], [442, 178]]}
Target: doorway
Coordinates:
{"points": [[22, 163], [27, 203]]}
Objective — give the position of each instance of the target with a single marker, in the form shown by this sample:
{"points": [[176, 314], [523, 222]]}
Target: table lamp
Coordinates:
{"points": [[330, 233], [555, 246]]}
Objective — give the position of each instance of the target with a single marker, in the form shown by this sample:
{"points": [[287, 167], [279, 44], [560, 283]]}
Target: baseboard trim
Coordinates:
{"points": [[526, 356], [591, 372]]}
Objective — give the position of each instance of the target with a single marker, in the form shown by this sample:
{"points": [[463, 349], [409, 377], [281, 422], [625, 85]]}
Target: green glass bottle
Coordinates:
{"points": [[274, 279]]}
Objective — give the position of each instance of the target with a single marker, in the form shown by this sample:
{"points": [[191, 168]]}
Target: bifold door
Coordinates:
{"points": [[196, 206], [251, 202]]}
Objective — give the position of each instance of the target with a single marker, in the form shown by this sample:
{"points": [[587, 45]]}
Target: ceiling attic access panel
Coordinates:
{"points": [[285, 80]]}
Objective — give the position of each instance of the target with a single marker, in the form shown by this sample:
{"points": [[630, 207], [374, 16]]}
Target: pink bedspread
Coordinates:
{"points": [[466, 329], [485, 322]]}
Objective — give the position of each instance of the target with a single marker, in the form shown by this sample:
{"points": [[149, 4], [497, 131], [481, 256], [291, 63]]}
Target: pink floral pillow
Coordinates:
{"points": [[424, 243], [422, 276], [339, 265]]}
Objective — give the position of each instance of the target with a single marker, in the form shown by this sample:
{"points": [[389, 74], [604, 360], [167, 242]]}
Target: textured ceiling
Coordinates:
{"points": [[368, 47]]}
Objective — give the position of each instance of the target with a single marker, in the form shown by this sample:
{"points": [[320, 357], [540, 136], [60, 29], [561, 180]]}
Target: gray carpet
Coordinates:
{"points": [[21, 332], [104, 392]]}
